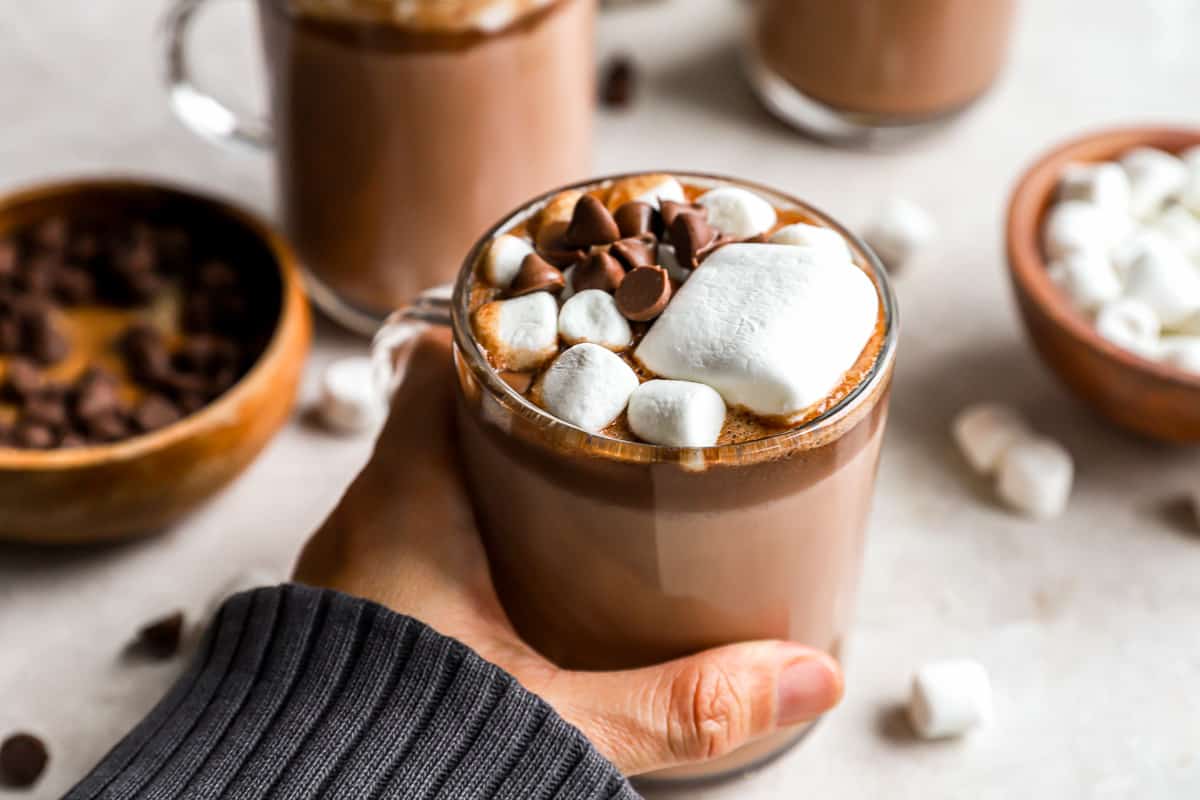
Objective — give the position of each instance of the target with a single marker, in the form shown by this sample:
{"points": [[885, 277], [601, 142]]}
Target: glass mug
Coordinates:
{"points": [[865, 71], [610, 554], [396, 145]]}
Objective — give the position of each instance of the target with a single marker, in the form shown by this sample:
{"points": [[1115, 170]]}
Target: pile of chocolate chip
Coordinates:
{"points": [[59, 264], [616, 252]]}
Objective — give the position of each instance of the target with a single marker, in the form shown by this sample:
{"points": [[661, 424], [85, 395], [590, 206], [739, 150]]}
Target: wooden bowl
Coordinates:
{"points": [[140, 485], [1145, 396]]}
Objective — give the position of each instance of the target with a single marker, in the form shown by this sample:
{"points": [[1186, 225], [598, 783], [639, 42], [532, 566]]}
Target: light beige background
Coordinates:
{"points": [[1088, 624]]}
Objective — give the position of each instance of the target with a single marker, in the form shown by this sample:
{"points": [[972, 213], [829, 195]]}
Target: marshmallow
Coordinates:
{"points": [[349, 400], [651, 189], [949, 698], [827, 240], [592, 316], [1035, 475], [1181, 228], [1182, 352], [1087, 277], [1165, 280], [898, 231], [1133, 244], [587, 386], [1154, 177], [520, 334], [670, 262], [1190, 196], [677, 413], [1105, 185], [737, 212], [503, 260], [984, 433], [1130, 324], [773, 328], [1074, 225]]}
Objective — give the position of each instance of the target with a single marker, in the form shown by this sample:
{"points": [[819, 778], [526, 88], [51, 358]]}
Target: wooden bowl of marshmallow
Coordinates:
{"points": [[1103, 241]]}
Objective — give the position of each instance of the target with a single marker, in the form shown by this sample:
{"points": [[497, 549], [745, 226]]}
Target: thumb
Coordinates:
{"points": [[700, 707]]}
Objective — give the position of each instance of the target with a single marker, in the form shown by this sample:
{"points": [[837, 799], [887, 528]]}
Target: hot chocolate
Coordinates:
{"points": [[763, 379]]}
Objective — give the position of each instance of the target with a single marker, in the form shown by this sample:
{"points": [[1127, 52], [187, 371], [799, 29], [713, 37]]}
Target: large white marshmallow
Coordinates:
{"points": [[1105, 185], [1130, 324], [592, 316], [1164, 279], [737, 212], [1181, 227], [1087, 277], [949, 698], [521, 333], [773, 328], [503, 259], [1182, 352], [349, 400], [677, 413], [1154, 177], [827, 240], [898, 231], [984, 432], [1035, 476], [1074, 225], [588, 386]]}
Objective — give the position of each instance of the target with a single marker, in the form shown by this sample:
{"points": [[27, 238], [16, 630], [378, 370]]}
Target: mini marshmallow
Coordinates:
{"points": [[1105, 185], [670, 262], [1154, 177], [1034, 477], [349, 400], [503, 260], [1130, 324], [746, 321], [1190, 195], [898, 231], [520, 334], [984, 433], [949, 698], [592, 316], [827, 240], [1181, 228], [1133, 245], [737, 212], [1087, 277], [677, 413], [1073, 225], [651, 189], [1182, 352], [1164, 279], [588, 386]]}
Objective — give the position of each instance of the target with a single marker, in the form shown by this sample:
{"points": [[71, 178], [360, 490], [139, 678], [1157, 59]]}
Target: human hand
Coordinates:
{"points": [[404, 536]]}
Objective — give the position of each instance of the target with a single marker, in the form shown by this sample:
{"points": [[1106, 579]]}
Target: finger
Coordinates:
{"points": [[697, 708]]}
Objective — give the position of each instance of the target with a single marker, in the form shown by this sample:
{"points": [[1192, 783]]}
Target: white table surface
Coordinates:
{"points": [[1087, 624]]}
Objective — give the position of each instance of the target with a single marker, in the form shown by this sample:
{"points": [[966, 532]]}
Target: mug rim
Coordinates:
{"points": [[468, 348]]}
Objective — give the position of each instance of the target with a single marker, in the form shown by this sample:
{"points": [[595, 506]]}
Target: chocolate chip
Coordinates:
{"points": [[23, 759], [10, 336], [635, 218], [635, 252], [47, 345], [45, 411], [537, 275], [644, 293], [552, 245], [672, 209], [600, 271], [74, 286], [145, 353], [96, 394], [8, 258], [591, 223], [155, 412], [691, 233], [85, 248], [160, 639], [33, 436], [51, 234], [108, 427], [22, 379], [39, 274], [69, 440], [617, 84]]}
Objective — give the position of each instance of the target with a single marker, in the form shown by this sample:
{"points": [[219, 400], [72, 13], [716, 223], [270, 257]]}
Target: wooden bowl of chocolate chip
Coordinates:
{"points": [[151, 343]]}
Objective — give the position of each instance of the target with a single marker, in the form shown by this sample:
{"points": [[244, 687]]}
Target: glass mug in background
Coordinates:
{"points": [[611, 554], [398, 141], [860, 71]]}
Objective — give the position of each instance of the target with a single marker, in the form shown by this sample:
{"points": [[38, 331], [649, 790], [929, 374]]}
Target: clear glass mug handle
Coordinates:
{"points": [[200, 111], [390, 347]]}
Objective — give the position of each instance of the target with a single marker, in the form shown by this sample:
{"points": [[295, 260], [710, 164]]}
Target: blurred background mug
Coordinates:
{"points": [[400, 133]]}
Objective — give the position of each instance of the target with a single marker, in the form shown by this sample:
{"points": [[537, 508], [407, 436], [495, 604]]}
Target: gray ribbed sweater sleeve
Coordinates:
{"points": [[305, 693]]}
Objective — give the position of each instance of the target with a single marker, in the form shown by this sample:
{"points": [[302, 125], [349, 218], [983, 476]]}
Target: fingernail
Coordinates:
{"points": [[807, 688]]}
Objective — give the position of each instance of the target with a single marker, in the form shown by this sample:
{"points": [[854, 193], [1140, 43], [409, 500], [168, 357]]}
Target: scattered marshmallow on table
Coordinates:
{"points": [[503, 259], [1035, 476], [737, 212], [592, 316], [677, 413], [898, 231], [824, 239], [349, 399], [1087, 277], [1131, 324], [588, 386], [520, 333], [985, 431], [950, 698], [1154, 177]]}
